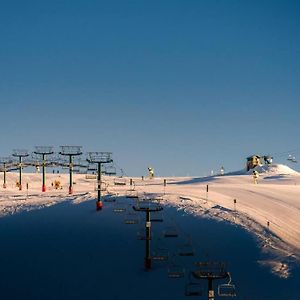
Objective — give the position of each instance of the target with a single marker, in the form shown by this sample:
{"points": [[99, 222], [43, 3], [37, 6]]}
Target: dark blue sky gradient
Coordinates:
{"points": [[184, 86]]}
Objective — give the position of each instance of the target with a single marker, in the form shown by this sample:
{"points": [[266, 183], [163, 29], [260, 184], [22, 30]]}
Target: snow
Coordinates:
{"points": [[274, 201]]}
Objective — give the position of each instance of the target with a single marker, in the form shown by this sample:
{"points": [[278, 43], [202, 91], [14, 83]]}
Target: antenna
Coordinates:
{"points": [[20, 153], [6, 162], [43, 151], [70, 151], [99, 158]]}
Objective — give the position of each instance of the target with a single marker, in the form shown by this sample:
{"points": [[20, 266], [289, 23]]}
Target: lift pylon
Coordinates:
{"points": [[43, 151], [70, 151], [99, 158], [6, 163], [147, 209], [21, 154]]}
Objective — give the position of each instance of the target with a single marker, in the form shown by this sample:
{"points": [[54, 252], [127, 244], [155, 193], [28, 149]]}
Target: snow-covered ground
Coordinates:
{"points": [[269, 209]]}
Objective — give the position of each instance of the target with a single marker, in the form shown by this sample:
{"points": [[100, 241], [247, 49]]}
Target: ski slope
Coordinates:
{"points": [[269, 209]]}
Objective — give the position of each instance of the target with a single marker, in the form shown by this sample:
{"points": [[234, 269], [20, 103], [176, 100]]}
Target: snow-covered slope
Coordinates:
{"points": [[269, 209], [276, 169]]}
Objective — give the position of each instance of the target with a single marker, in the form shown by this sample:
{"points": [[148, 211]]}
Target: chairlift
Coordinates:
{"points": [[170, 232], [193, 289], [92, 168], [160, 254], [227, 289], [141, 235], [90, 176], [120, 181], [103, 186], [110, 198], [110, 171], [132, 194], [119, 208], [131, 218], [176, 271], [157, 217], [186, 250]]}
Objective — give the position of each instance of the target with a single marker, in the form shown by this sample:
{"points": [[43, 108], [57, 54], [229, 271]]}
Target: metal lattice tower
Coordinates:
{"points": [[43, 151], [21, 154], [70, 151], [99, 158], [6, 162]]}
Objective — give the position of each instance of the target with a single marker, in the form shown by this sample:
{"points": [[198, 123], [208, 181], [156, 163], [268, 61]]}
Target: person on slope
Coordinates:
{"points": [[151, 172], [255, 176]]}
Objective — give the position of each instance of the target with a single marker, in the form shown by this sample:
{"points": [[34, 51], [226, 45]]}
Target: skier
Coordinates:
{"points": [[255, 176], [151, 172]]}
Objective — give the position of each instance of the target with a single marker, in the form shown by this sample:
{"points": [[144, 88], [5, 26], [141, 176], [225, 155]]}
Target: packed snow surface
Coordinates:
{"points": [[269, 209]]}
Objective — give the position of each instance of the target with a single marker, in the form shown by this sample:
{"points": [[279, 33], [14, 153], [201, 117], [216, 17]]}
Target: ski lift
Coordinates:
{"points": [[90, 176], [176, 271], [170, 232], [120, 181], [141, 235], [92, 168], [132, 194], [110, 198], [160, 254], [157, 216], [193, 289], [148, 204], [186, 249], [103, 187], [131, 218], [119, 208], [227, 289], [210, 269], [110, 171]]}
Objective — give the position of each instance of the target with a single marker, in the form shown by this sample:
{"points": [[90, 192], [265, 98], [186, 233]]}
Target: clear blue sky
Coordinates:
{"points": [[183, 86]]}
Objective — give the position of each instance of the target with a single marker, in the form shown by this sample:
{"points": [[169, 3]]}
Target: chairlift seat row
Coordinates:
{"points": [[170, 232], [176, 272], [193, 290], [131, 221], [226, 290], [186, 250], [109, 199], [120, 181], [161, 254], [119, 208], [131, 218]]}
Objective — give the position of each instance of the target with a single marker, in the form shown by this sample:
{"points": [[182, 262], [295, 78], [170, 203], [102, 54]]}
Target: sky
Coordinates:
{"points": [[183, 86]]}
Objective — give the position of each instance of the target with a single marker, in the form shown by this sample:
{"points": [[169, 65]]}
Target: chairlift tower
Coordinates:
{"points": [[99, 158], [20, 153], [147, 209], [210, 271], [43, 151], [5, 161], [70, 151]]}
